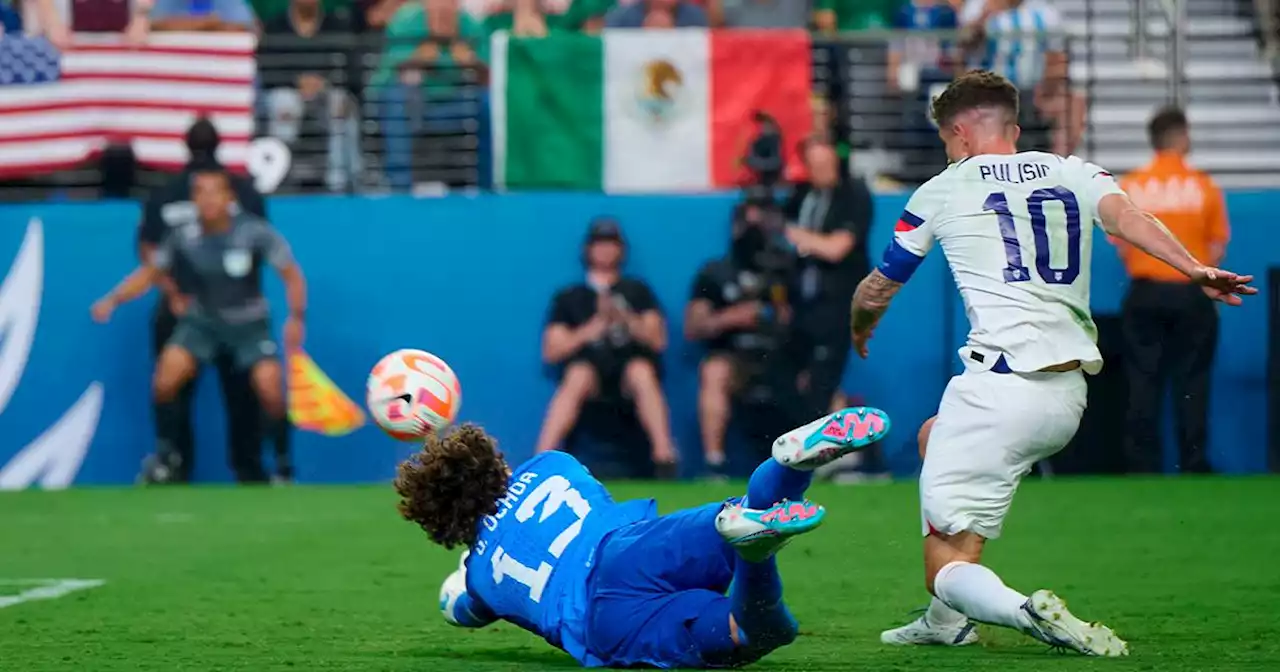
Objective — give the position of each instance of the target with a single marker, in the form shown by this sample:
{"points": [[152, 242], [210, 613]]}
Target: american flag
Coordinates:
{"points": [[58, 110]]}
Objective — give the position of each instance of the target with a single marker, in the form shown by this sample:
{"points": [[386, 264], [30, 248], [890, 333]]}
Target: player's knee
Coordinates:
{"points": [[922, 438], [941, 550]]}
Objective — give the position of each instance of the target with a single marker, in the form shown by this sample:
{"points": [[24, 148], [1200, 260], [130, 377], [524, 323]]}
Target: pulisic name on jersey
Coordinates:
{"points": [[1014, 173]]}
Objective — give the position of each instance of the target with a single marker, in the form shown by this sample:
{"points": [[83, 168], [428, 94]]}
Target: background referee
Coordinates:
{"points": [[168, 210]]}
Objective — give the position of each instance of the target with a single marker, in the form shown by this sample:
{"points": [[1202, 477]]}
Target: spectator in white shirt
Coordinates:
{"points": [[1023, 40]]}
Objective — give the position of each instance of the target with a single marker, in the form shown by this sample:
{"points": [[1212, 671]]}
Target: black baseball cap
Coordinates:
{"points": [[604, 228]]}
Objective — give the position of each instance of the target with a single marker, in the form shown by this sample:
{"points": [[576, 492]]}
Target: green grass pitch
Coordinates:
{"points": [[316, 578]]}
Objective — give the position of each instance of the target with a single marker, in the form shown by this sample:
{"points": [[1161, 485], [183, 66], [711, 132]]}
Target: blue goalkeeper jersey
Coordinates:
{"points": [[531, 559]]}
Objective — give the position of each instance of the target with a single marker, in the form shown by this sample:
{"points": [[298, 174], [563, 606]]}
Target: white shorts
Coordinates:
{"points": [[991, 430]]}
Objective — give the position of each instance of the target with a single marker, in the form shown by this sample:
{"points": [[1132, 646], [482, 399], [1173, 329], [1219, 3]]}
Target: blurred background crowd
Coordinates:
{"points": [[379, 96], [392, 95]]}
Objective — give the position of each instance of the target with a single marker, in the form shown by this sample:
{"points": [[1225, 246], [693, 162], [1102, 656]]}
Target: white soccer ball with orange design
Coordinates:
{"points": [[412, 393]]}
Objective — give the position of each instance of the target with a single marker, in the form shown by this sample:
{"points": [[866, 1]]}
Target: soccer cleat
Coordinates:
{"points": [[831, 437], [757, 534], [1057, 627], [921, 632]]}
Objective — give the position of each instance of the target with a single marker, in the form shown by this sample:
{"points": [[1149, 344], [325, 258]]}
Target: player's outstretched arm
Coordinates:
{"points": [[870, 301], [456, 604], [134, 285], [1126, 221]]}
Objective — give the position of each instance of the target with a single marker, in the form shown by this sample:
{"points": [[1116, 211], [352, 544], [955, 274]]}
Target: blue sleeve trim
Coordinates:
{"points": [[899, 263]]}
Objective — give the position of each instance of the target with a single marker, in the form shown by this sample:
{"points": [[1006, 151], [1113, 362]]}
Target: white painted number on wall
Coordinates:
{"points": [[551, 494], [268, 161]]}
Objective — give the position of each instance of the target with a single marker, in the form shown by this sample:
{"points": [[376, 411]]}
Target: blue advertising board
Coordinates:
{"points": [[469, 278]]}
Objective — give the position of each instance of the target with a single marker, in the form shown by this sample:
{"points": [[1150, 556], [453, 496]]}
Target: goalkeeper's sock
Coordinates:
{"points": [[764, 623], [773, 482]]}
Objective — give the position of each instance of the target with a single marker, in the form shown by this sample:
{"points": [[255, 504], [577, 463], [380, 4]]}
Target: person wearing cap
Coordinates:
{"points": [[606, 334], [169, 209]]}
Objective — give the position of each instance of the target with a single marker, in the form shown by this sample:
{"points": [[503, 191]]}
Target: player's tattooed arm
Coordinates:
{"points": [[871, 300]]}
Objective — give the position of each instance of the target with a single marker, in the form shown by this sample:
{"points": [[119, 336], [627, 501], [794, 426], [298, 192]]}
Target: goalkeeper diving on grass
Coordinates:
{"points": [[615, 584]]}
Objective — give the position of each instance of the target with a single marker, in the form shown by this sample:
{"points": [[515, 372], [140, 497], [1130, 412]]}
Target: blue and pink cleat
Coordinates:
{"points": [[831, 437], [757, 534]]}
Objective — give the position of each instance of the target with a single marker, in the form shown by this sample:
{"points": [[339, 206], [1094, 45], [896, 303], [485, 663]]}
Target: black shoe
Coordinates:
{"points": [[716, 471], [160, 469], [666, 471]]}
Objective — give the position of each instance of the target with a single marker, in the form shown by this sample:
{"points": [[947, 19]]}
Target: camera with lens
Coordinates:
{"points": [[759, 241], [765, 263]]}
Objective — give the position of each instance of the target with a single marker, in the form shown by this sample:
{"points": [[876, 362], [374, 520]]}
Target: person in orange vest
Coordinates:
{"points": [[1170, 326]]}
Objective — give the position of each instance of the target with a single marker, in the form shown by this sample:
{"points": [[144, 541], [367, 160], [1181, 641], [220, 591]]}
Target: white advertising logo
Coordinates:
{"points": [[52, 459]]}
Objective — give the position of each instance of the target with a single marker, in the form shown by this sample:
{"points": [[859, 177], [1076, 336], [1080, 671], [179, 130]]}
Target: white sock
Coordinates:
{"points": [[978, 593], [939, 614]]}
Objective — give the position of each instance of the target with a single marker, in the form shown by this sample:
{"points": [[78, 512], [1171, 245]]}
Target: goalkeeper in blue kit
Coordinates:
{"points": [[615, 584]]}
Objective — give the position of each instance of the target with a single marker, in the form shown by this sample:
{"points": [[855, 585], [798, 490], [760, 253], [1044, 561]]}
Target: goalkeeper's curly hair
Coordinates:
{"points": [[451, 484]]}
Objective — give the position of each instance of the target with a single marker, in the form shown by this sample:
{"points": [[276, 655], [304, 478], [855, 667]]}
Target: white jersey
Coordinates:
{"points": [[1017, 232]]}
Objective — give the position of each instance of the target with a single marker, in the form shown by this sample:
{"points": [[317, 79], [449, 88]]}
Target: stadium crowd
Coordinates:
{"points": [[390, 94]]}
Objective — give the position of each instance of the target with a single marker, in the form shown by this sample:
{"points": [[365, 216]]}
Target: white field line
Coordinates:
{"points": [[45, 589]]}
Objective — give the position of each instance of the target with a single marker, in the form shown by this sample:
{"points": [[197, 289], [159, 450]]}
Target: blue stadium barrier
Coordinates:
{"points": [[469, 278]]}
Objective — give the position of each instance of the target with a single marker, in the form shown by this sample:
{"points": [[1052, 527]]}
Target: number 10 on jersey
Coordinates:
{"points": [[1042, 227]]}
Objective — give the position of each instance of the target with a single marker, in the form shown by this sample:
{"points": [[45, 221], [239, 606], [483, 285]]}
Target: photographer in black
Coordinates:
{"points": [[828, 219], [606, 334], [738, 309]]}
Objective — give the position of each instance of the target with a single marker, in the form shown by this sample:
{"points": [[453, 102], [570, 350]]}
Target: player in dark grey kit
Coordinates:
{"points": [[227, 311]]}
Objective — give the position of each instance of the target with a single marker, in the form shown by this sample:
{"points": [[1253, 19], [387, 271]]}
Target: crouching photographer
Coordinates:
{"points": [[738, 308]]}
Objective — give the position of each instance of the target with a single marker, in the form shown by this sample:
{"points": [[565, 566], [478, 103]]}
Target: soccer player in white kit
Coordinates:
{"points": [[1016, 229]]}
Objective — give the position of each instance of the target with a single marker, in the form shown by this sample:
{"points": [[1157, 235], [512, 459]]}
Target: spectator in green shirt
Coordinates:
{"points": [[531, 18], [427, 82], [832, 15]]}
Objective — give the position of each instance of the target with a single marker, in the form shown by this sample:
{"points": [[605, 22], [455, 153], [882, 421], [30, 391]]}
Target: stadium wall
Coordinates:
{"points": [[470, 278]]}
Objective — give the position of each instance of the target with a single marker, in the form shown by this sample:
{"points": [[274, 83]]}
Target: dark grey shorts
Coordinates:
{"points": [[247, 344]]}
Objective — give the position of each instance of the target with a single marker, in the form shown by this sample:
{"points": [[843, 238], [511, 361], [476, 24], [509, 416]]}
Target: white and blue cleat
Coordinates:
{"points": [[757, 534], [831, 437], [922, 632], [1054, 625]]}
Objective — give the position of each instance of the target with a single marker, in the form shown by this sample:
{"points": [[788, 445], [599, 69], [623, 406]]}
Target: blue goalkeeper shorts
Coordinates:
{"points": [[657, 594]]}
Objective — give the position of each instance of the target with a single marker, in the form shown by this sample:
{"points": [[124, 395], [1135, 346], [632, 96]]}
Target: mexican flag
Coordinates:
{"points": [[643, 110]]}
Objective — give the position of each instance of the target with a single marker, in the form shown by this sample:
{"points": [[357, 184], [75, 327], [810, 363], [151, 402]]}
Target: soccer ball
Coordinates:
{"points": [[412, 393]]}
